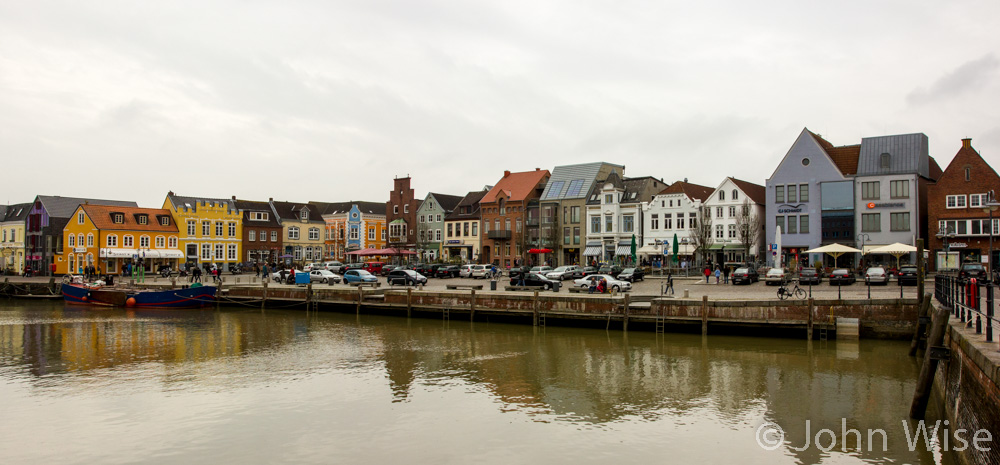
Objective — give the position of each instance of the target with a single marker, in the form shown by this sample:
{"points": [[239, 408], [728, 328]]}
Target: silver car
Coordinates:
{"points": [[877, 275], [562, 273], [323, 276]]}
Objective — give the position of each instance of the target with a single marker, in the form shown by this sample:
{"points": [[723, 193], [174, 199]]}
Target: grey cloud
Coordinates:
{"points": [[968, 77]]}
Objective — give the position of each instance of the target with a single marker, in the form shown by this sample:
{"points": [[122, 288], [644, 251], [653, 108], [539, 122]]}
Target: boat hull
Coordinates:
{"points": [[171, 298]]}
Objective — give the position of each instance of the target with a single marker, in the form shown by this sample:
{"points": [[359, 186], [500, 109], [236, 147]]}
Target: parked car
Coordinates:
{"points": [[533, 279], [405, 278], [516, 271], [973, 270], [465, 271], [631, 275], [425, 269], [334, 266], [583, 272], [907, 275], [386, 269], [447, 271], [324, 276], [561, 273], [314, 266], [613, 270], [877, 275], [775, 276], [841, 276], [351, 266], [810, 276], [374, 267], [284, 276], [359, 276], [744, 274], [480, 271], [613, 284], [542, 270]]}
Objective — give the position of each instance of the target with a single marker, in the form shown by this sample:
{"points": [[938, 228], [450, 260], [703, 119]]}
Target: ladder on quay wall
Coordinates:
{"points": [[446, 314], [541, 319], [661, 323], [824, 333]]}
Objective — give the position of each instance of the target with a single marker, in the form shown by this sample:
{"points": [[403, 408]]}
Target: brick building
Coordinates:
{"points": [[504, 211], [956, 207], [263, 241], [401, 214]]}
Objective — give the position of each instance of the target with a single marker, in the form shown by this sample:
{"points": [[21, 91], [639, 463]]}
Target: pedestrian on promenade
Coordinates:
{"points": [[707, 273], [196, 274], [264, 272], [670, 284], [725, 274], [718, 273], [256, 269]]}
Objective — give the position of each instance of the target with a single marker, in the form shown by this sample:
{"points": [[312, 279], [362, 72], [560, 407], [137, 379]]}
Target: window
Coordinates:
{"points": [[206, 251], [274, 236], [668, 220], [732, 231], [779, 221], [722, 195], [870, 190], [608, 222], [595, 224], [422, 235], [719, 231], [293, 233], [232, 252], [465, 229], [383, 234], [692, 220], [978, 200], [803, 224], [955, 201], [732, 212], [566, 237], [654, 222], [517, 224], [395, 209], [968, 174], [258, 216], [803, 192], [160, 242], [736, 195], [575, 188], [871, 222], [793, 225], [353, 234], [506, 224], [609, 198], [680, 221], [112, 241], [172, 242], [421, 219], [574, 214], [884, 161], [437, 235], [191, 227], [779, 193], [70, 242], [406, 208], [496, 224], [718, 212], [206, 228], [165, 220], [503, 207], [252, 235], [304, 215], [263, 236], [792, 191], [80, 218], [576, 235], [118, 218], [899, 221], [144, 242], [448, 232], [474, 227], [127, 241], [218, 229], [555, 189], [628, 223], [438, 218], [899, 189], [371, 234], [142, 219]]}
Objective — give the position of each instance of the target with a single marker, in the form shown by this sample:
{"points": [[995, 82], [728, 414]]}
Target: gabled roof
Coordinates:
{"points": [[292, 210], [101, 216], [470, 200], [693, 191], [934, 171], [846, 158], [447, 202], [516, 186], [64, 207], [634, 190], [965, 156], [248, 206], [16, 212], [339, 208], [192, 203], [756, 192], [574, 181]]}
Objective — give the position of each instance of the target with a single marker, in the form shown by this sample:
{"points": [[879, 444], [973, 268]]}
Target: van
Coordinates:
{"points": [[373, 267]]}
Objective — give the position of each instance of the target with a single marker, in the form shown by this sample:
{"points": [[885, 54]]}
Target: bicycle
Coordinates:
{"points": [[797, 292]]}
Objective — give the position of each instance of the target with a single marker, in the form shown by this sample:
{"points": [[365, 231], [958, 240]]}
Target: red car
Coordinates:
{"points": [[373, 267]]}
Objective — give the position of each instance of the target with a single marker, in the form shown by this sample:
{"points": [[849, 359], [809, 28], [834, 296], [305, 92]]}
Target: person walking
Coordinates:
{"points": [[196, 274], [670, 284], [707, 273], [256, 269], [725, 274], [264, 272], [718, 273]]}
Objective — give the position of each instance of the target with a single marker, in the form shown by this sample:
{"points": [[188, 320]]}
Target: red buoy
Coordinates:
{"points": [[130, 302]]}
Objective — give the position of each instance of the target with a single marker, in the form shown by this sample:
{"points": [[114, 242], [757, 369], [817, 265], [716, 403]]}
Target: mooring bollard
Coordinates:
{"points": [[704, 315]]}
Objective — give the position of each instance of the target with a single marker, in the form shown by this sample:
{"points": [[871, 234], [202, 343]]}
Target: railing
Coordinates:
{"points": [[965, 301], [498, 234]]}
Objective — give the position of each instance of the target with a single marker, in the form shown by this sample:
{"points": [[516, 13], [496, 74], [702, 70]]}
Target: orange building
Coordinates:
{"points": [[110, 236]]}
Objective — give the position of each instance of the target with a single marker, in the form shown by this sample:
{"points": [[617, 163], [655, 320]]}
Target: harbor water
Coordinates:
{"points": [[80, 385]]}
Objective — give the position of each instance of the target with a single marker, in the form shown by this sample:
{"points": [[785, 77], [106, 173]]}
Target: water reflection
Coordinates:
{"points": [[678, 392]]}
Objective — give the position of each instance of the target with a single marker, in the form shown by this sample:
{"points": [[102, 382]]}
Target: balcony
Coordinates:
{"points": [[533, 221], [502, 234]]}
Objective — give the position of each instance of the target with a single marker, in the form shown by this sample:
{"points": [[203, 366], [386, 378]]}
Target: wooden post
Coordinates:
{"points": [[923, 310], [263, 300], [534, 306], [218, 296], [926, 379], [173, 283], [704, 315], [472, 306], [309, 293], [625, 317], [920, 272], [409, 301], [809, 329], [360, 293]]}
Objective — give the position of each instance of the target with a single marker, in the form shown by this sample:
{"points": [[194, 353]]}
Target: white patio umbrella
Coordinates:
{"points": [[834, 250], [897, 250]]}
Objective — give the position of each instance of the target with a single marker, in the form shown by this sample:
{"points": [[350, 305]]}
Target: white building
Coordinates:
{"points": [[674, 211], [615, 215], [726, 204]]}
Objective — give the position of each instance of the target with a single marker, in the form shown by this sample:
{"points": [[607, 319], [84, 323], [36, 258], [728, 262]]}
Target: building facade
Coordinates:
{"points": [[462, 238], [12, 219], [431, 224], [262, 240], [108, 237], [959, 211], [563, 208], [354, 226], [674, 212], [302, 227], [737, 211], [44, 226], [615, 216], [209, 230], [401, 214], [504, 212]]}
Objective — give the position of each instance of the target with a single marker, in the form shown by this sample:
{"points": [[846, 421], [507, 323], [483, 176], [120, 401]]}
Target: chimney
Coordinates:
{"points": [[270, 199], [538, 169], [234, 198], [685, 180], [170, 193], [506, 173], [967, 143]]}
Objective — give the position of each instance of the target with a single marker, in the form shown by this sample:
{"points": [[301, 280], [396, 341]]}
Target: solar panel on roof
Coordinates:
{"points": [[555, 189], [575, 186]]}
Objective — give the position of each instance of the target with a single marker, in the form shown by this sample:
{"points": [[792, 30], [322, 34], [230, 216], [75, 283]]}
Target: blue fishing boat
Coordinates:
{"points": [[86, 294]]}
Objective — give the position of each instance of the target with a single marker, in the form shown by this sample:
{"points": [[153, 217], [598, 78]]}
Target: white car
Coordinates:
{"points": [[465, 271], [283, 276], [562, 273], [480, 271], [324, 276], [613, 284], [775, 276], [877, 275]]}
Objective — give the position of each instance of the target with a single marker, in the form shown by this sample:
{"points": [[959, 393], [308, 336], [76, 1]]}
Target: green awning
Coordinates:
{"points": [[726, 246]]}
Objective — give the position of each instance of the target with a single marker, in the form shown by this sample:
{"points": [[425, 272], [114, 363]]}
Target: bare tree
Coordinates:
{"points": [[424, 239], [748, 225], [701, 234]]}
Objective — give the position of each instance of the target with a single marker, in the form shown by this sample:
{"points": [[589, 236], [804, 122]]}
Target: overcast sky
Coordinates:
{"points": [[330, 100]]}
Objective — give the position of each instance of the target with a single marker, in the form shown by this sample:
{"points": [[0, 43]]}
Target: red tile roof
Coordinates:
{"points": [[756, 192], [846, 158], [100, 215], [694, 191], [517, 186]]}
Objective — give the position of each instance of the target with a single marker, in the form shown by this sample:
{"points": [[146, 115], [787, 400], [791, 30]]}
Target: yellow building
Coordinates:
{"points": [[210, 230], [12, 219], [116, 235], [302, 228]]}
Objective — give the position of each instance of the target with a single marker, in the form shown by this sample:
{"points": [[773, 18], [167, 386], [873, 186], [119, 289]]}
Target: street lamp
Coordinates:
{"points": [[990, 207], [862, 238], [944, 235]]}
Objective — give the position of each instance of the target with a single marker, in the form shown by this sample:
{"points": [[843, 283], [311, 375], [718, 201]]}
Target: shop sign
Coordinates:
{"points": [[786, 208], [79, 250], [872, 205], [455, 241], [958, 245]]}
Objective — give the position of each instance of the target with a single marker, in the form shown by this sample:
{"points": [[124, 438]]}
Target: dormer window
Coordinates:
{"points": [[884, 160], [165, 220], [609, 198], [304, 215], [118, 218], [142, 219], [258, 216]]}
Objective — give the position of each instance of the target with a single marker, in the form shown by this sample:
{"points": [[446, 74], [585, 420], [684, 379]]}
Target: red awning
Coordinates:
{"points": [[540, 251]]}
